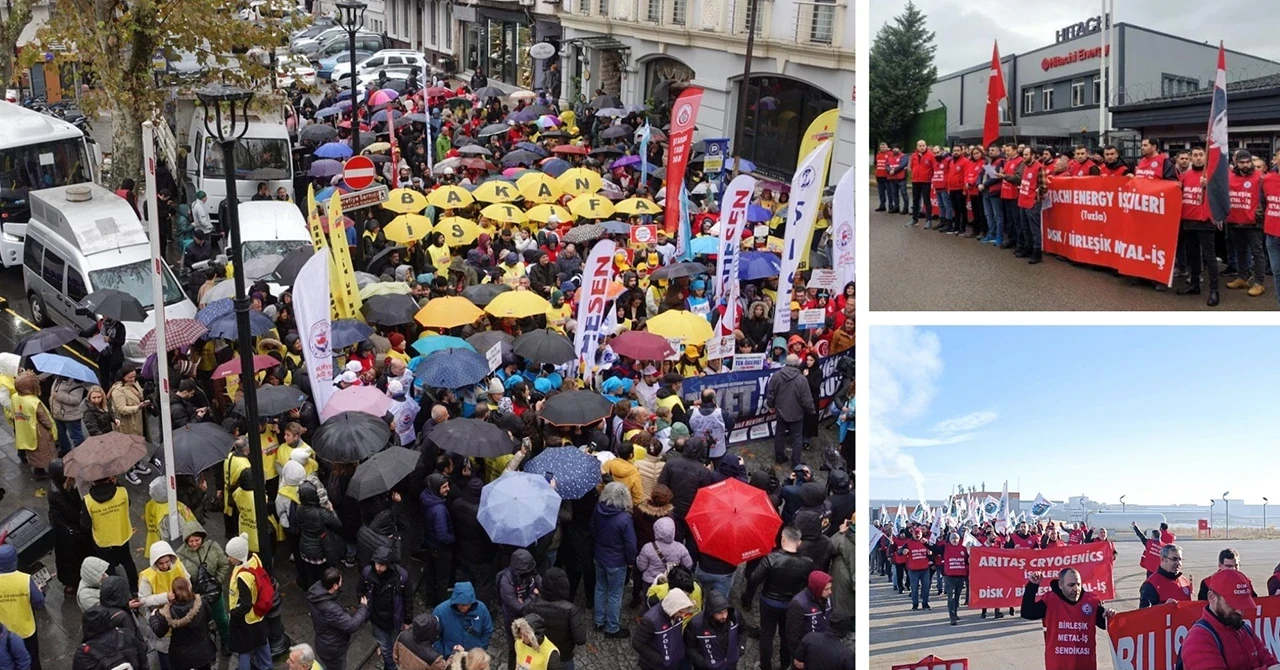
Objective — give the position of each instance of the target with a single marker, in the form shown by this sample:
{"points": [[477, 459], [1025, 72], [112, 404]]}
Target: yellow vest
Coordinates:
{"points": [[154, 514], [270, 442], [248, 517], [162, 582], [290, 492], [239, 572], [111, 527], [440, 258], [530, 658], [232, 467], [15, 604], [7, 382], [671, 402], [398, 355], [284, 453], [25, 426]]}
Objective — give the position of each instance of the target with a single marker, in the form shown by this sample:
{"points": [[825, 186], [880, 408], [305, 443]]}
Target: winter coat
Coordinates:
{"points": [[209, 557], [66, 399], [418, 648], [543, 278], [708, 642], [125, 401], [13, 652], [623, 470], [333, 626], [98, 421], [190, 645], [650, 468], [662, 553], [565, 623], [806, 613], [684, 475], [842, 574], [645, 516], [390, 599], [517, 583], [533, 626], [438, 533], [615, 536], [1238, 647], [70, 541], [381, 532], [788, 393], [43, 451], [92, 570], [826, 650], [113, 612], [314, 522], [470, 630], [472, 543]]}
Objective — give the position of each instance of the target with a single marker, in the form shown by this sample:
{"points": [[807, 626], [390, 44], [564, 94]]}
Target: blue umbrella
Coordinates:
{"points": [[381, 115], [747, 166], [215, 310], [346, 332], [758, 214], [329, 111], [575, 473], [452, 369], [556, 167], [518, 508], [530, 146], [325, 167], [64, 367], [758, 265], [224, 327], [426, 345], [336, 150], [617, 227], [525, 115], [705, 244]]}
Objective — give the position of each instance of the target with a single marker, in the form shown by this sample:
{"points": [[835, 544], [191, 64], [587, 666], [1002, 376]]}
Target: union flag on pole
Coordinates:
{"points": [[1219, 158], [995, 95]]}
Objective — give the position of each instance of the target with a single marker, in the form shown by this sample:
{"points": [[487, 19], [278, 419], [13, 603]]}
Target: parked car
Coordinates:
{"points": [[325, 67], [295, 69]]}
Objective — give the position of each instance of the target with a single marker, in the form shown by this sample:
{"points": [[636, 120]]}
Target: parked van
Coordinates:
{"points": [[82, 238], [264, 154], [270, 227]]}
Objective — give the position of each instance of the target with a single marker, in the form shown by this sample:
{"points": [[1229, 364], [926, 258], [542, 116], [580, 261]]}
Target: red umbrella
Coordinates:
{"points": [[475, 163], [642, 346], [232, 367], [440, 92], [364, 128], [733, 521], [570, 149]]}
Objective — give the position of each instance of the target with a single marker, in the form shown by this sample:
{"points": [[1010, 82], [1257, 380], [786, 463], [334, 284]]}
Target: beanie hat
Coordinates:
{"points": [[676, 601], [396, 339], [293, 473], [394, 388], [301, 455], [818, 580], [679, 430], [495, 386], [160, 549], [238, 547]]}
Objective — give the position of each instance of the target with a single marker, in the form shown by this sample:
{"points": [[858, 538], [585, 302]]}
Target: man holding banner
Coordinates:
{"points": [[1070, 615]]}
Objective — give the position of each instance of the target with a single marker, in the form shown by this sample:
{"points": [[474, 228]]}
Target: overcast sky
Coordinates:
{"points": [[964, 28]]}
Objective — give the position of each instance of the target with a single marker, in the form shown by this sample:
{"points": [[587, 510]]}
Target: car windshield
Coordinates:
{"points": [[37, 166], [135, 279], [258, 248], [256, 158]]}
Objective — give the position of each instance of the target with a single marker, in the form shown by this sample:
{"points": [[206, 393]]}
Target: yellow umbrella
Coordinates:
{"points": [[519, 304], [407, 228], [637, 206], [405, 201], [690, 328], [496, 191], [580, 180], [503, 213], [450, 197], [539, 187], [591, 206], [449, 312], [377, 148], [384, 288], [542, 213], [458, 231]]}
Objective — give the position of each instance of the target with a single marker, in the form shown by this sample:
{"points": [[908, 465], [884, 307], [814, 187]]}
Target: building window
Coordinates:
{"points": [[1077, 93], [1097, 88], [435, 25], [1029, 101], [603, 8], [677, 11], [584, 7], [823, 23], [1047, 96], [654, 13], [778, 111], [1171, 85], [448, 26]]}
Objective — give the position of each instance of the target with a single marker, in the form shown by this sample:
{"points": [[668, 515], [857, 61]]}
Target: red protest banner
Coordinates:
{"points": [[1149, 639], [684, 112], [997, 576], [934, 663], [1117, 222]]}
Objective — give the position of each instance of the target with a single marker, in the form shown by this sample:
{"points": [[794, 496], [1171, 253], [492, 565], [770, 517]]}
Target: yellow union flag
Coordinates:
{"points": [[320, 241], [823, 129], [346, 272]]}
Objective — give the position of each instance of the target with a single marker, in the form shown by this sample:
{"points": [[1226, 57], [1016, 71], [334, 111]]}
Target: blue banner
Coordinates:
{"points": [[743, 394]]}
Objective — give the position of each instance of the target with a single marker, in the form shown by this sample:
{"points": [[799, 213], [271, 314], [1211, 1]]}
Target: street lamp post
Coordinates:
{"points": [[1122, 504], [1264, 514], [740, 132], [351, 16], [1227, 513], [1212, 502]]}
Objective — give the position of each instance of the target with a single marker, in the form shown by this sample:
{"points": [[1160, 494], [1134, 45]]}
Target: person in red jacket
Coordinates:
{"points": [[1009, 197], [882, 174], [897, 169], [1070, 615], [923, 163], [900, 561], [954, 176], [918, 552], [1167, 584], [1243, 224], [1222, 639], [1271, 218], [955, 572], [941, 199], [1197, 233], [1083, 166]]}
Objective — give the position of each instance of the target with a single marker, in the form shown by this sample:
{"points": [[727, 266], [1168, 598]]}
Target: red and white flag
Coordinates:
{"points": [[995, 95], [1219, 158]]}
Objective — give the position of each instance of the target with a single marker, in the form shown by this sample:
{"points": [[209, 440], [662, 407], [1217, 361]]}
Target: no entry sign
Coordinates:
{"points": [[358, 172]]}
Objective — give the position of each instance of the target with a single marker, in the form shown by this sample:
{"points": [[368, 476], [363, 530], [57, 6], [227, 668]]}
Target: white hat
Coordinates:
{"points": [[160, 549], [448, 170], [649, 371], [348, 377], [301, 455], [676, 601], [293, 473], [354, 366], [394, 387], [495, 386], [238, 547]]}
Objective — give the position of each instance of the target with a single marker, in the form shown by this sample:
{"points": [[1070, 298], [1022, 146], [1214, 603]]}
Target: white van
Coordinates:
{"points": [[264, 154], [82, 238], [270, 227]]}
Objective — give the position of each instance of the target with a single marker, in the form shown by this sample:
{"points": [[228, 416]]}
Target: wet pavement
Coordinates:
{"points": [[912, 269]]}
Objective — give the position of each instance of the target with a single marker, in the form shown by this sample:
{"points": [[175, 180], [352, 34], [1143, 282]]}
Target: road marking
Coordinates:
{"points": [[38, 328]]}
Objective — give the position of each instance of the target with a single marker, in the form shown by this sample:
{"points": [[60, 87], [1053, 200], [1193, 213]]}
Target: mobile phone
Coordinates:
{"points": [[548, 476]]}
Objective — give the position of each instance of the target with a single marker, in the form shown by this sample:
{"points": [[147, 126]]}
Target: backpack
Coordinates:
{"points": [[105, 651], [1216, 640], [266, 591]]}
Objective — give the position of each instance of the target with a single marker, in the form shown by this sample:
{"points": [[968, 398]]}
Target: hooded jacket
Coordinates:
{"points": [[517, 583], [663, 552], [788, 393], [624, 471], [614, 533], [187, 625], [472, 543], [92, 570], [113, 613], [565, 623], [417, 648], [439, 527], [842, 574], [313, 522], [333, 626], [685, 474], [390, 600], [470, 630], [710, 644], [209, 557], [533, 625], [13, 653], [808, 612]]}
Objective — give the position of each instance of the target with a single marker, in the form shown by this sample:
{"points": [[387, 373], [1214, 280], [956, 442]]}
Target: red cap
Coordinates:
{"points": [[1234, 587]]}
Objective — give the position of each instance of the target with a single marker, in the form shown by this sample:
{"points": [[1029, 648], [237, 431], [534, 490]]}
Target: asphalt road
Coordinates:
{"points": [[912, 269], [899, 635]]}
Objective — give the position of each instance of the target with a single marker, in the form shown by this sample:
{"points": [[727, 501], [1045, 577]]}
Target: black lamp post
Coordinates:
{"points": [[1227, 512], [1122, 507], [226, 119], [1264, 515], [351, 17]]}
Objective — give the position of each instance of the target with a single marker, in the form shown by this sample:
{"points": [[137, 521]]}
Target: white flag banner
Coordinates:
{"points": [[900, 517], [733, 217], [1041, 506], [875, 539], [592, 301], [806, 198], [844, 256], [1003, 521], [311, 305], [970, 540], [991, 507]]}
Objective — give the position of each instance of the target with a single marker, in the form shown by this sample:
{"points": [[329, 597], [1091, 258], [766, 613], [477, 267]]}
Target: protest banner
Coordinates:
{"points": [[997, 576], [748, 362], [1130, 225], [934, 663], [1149, 639]]}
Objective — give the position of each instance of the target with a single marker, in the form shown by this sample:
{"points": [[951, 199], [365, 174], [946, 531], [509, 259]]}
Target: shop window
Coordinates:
{"points": [[1048, 99], [778, 112]]}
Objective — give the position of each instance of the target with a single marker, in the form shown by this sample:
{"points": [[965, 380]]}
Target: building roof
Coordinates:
{"points": [[1268, 85]]}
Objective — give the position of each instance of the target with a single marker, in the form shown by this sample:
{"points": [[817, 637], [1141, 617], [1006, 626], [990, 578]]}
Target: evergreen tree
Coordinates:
{"points": [[902, 72]]}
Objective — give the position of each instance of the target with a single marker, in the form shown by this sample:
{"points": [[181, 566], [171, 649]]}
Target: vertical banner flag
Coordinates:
{"points": [[733, 218], [822, 130], [395, 151], [684, 237], [320, 242], [844, 256], [1003, 522], [311, 305], [806, 196], [1219, 159], [875, 536], [644, 133], [995, 95], [684, 112], [1041, 506], [592, 301], [342, 260], [900, 517]]}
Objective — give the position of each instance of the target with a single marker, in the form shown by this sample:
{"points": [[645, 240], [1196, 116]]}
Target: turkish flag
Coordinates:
{"points": [[995, 94]]}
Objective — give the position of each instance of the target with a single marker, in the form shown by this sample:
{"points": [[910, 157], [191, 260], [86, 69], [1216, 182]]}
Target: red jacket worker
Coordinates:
{"points": [[1222, 639], [1070, 614]]}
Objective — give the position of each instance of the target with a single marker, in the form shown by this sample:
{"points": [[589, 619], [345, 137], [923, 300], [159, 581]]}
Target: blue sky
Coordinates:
{"points": [[1159, 414]]}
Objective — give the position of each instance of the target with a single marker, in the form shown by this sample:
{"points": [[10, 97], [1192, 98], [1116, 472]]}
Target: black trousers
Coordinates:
{"points": [[773, 621], [1012, 217], [1198, 248], [121, 556], [481, 575], [920, 200], [979, 222], [437, 574], [33, 648], [1250, 254]]}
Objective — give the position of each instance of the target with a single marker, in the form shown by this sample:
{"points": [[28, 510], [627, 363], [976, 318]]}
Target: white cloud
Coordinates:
{"points": [[970, 421]]}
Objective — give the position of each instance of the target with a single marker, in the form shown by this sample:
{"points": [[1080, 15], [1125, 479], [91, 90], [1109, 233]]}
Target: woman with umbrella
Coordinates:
{"points": [[33, 429]]}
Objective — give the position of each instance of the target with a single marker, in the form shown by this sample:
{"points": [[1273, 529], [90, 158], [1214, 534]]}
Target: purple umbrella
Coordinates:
{"points": [[556, 166], [530, 146], [366, 399], [626, 160], [325, 168], [523, 116], [758, 214], [335, 150], [381, 115]]}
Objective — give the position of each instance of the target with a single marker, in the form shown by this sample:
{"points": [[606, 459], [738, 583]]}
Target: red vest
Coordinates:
{"points": [[1271, 192], [1011, 167], [922, 167], [939, 180], [1081, 169], [1171, 589], [1070, 641], [1150, 560], [1195, 204], [917, 555], [1246, 196], [882, 164], [1019, 542], [1151, 168], [955, 175], [1027, 192], [899, 543], [955, 560], [1119, 170], [973, 177], [893, 160], [1076, 537]]}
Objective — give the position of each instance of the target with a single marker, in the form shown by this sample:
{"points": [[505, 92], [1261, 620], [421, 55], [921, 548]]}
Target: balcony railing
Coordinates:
{"points": [[678, 10], [816, 21]]}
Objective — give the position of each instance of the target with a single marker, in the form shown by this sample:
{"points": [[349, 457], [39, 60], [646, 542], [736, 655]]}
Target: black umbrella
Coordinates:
{"points": [[347, 332], [484, 340], [678, 270], [458, 102], [489, 92], [199, 446], [575, 408], [114, 304], [381, 472], [287, 271], [275, 400], [538, 109], [475, 150], [376, 261], [520, 157], [391, 309], [606, 151], [605, 101], [544, 346], [351, 437], [483, 294], [319, 133], [492, 129], [553, 133], [45, 340], [472, 437], [660, 173], [622, 130]]}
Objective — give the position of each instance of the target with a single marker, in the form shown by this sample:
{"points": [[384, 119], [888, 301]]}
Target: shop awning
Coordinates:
{"points": [[603, 43]]}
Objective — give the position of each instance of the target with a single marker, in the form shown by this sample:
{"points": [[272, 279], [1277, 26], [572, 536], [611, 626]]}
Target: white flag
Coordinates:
{"points": [[844, 256], [806, 198], [1003, 521], [1041, 506], [970, 540], [875, 538], [592, 301], [311, 306], [990, 508]]}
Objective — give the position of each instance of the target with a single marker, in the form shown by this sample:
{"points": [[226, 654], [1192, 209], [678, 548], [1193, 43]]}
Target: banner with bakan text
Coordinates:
{"points": [[1124, 223], [1149, 639], [998, 576]]}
